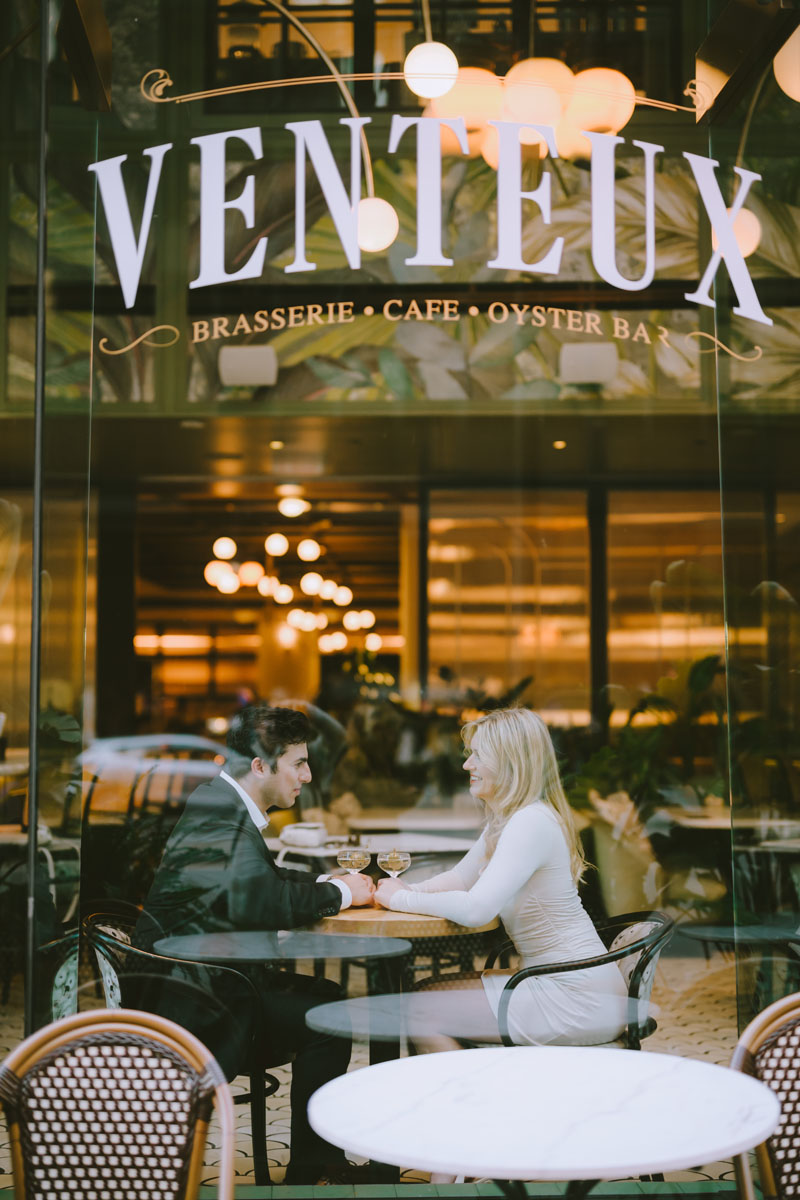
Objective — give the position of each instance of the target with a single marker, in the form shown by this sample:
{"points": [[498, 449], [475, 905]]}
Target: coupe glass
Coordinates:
{"points": [[394, 862], [353, 858]]}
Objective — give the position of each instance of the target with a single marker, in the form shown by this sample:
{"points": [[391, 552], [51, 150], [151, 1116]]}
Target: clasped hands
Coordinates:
{"points": [[365, 894]]}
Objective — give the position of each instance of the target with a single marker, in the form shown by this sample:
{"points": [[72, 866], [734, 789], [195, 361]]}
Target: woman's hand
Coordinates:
{"points": [[385, 890]]}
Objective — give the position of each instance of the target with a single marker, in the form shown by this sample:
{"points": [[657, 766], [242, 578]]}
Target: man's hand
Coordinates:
{"points": [[361, 887], [386, 889]]}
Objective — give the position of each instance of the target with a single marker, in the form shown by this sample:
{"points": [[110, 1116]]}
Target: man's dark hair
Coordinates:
{"points": [[260, 731]]}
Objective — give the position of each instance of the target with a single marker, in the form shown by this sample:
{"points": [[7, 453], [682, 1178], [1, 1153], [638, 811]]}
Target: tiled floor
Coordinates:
{"points": [[696, 1002]]}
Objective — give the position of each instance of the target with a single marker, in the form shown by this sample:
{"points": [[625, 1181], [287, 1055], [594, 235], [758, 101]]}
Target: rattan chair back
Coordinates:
{"points": [[769, 1049], [114, 1104]]}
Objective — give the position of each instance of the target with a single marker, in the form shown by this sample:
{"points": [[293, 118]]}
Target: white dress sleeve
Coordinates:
{"points": [[459, 878], [531, 838]]}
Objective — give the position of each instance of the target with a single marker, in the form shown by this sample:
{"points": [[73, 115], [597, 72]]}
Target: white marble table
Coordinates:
{"points": [[545, 1113]]}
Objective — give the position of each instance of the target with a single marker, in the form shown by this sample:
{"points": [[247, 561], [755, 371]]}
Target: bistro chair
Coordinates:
{"points": [[114, 1103], [190, 992], [634, 941], [769, 1049]]}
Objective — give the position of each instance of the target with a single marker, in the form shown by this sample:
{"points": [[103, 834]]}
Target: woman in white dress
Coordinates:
{"points": [[524, 868]]}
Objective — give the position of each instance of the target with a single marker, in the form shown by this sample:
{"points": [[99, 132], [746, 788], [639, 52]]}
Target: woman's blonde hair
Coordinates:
{"points": [[516, 745]]}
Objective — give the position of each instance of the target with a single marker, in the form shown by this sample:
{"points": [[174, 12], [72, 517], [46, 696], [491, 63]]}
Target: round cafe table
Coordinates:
{"points": [[577, 1113], [383, 922]]}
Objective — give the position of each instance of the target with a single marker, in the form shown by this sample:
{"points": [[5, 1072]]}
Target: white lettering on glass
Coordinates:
{"points": [[604, 221], [429, 182], [510, 196], [128, 252], [213, 207], [704, 171], [310, 136]]}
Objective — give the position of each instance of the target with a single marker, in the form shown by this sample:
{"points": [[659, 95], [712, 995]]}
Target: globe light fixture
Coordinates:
{"points": [[430, 69], [367, 618], [328, 589], [338, 640], [343, 596], [351, 620], [786, 66], [228, 583], [214, 570], [295, 618], [283, 594], [602, 100], [477, 96], [322, 620], [311, 583], [224, 547], [378, 224], [276, 544], [250, 573], [373, 642], [286, 636], [746, 230], [267, 584], [293, 506], [309, 550]]}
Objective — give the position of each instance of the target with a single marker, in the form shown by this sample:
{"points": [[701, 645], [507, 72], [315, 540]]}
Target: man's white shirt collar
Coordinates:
{"points": [[259, 820]]}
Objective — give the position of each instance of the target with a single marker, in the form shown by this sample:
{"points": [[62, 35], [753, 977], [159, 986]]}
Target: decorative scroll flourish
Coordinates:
{"points": [[718, 345], [700, 94], [155, 82], [146, 338], [154, 90]]}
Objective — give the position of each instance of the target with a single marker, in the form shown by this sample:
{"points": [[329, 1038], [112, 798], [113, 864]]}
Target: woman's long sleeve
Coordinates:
{"points": [[526, 843], [460, 877]]}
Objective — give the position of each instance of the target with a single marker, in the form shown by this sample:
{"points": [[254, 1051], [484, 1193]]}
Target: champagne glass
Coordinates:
{"points": [[353, 859], [394, 862]]}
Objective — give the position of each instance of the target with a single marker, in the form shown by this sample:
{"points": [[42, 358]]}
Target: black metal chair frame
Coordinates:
{"points": [[648, 946], [262, 1084]]}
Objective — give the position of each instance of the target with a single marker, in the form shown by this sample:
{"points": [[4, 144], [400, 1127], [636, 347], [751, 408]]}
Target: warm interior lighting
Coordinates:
{"points": [[322, 620], [559, 445], [276, 544], [477, 96], [338, 640], [311, 583], [328, 589], [367, 618], [295, 618], [250, 573], [343, 596], [224, 547], [228, 583], [746, 230], [293, 506], [602, 100], [786, 66], [373, 642], [351, 620], [430, 69], [289, 489], [276, 444], [378, 224], [283, 594], [214, 570], [267, 584], [286, 636], [308, 550]]}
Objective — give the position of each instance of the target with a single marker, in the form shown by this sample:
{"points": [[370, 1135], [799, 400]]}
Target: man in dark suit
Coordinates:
{"points": [[217, 874]]}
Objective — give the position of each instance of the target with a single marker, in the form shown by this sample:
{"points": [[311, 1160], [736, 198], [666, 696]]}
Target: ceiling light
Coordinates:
{"points": [[309, 550], [311, 583], [276, 444], [250, 573], [267, 584], [283, 594], [293, 506], [746, 230], [338, 640], [373, 642], [786, 66], [367, 618], [378, 224], [602, 100], [295, 618], [322, 620], [214, 570], [351, 620], [289, 489], [430, 69], [276, 544], [343, 596], [228, 583], [477, 96], [308, 623], [559, 445], [224, 547], [328, 589], [286, 636]]}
